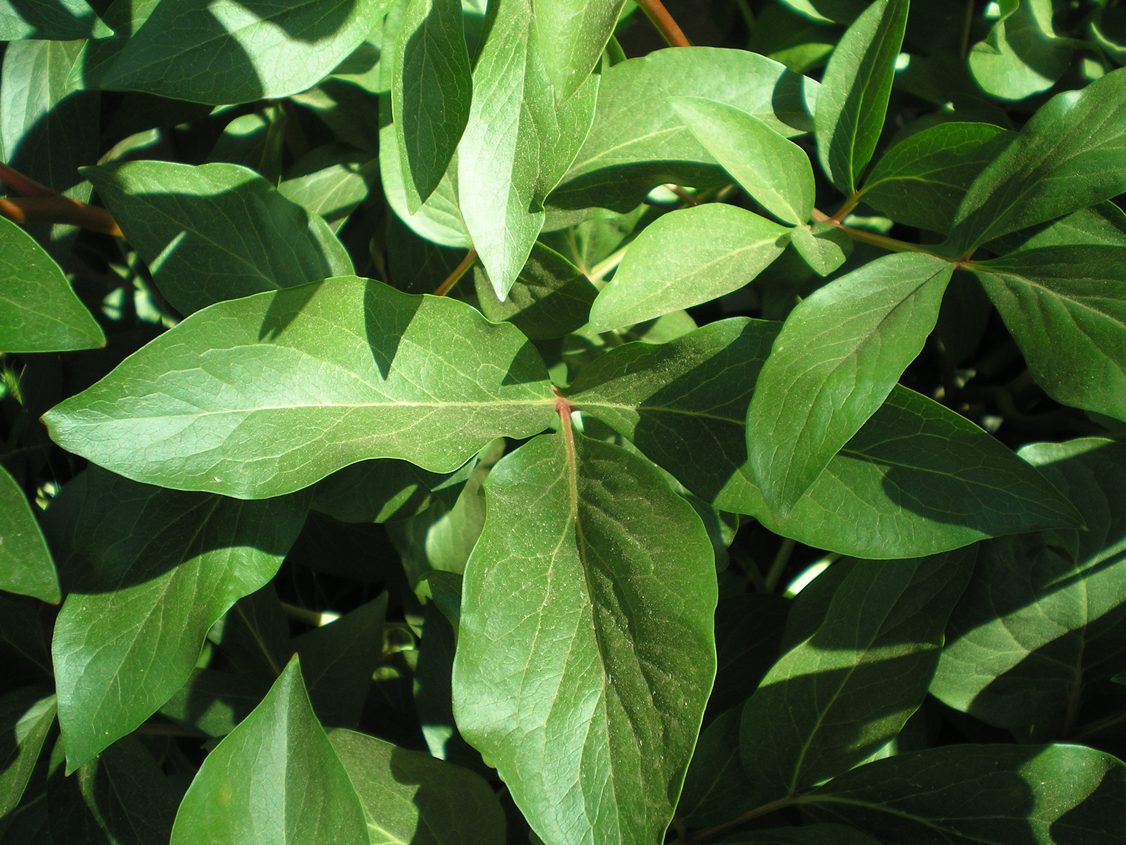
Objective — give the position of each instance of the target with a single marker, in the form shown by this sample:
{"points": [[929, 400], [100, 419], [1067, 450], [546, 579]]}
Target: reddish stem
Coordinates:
{"points": [[660, 18]]}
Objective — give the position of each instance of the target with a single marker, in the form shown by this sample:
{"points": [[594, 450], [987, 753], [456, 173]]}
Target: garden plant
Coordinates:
{"points": [[562, 421]]}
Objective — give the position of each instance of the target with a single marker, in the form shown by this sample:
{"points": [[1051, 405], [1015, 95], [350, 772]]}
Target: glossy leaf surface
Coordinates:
{"points": [[1022, 55]]}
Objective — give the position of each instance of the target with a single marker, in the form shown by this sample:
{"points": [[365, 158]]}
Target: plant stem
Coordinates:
{"points": [[661, 19], [778, 565], [607, 265], [890, 244], [455, 275], [967, 24], [720, 829], [24, 184], [59, 209]]}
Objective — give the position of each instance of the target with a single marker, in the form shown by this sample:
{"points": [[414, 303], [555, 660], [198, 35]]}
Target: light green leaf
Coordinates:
{"points": [[26, 717], [822, 246], [585, 651], [430, 93], [1070, 155], [638, 140], [25, 562], [238, 51], [410, 798], [1022, 55], [571, 35], [827, 11], [849, 687], [775, 172], [1066, 308], [982, 795], [1045, 616], [687, 257], [838, 356], [149, 572], [921, 180], [265, 395], [46, 20], [330, 181], [855, 90], [274, 778], [216, 231]]}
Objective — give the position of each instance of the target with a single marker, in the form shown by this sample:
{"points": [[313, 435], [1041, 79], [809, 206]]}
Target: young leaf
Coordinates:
{"points": [[150, 571], [838, 356], [1066, 308], [855, 90], [216, 231], [274, 778], [385, 374], [431, 73], [585, 652], [26, 717], [571, 35], [685, 258], [25, 562], [1022, 55], [775, 172]]}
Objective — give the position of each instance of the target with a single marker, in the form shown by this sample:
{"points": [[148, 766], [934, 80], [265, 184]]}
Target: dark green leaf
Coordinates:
{"points": [[379, 491], [213, 702], [25, 562], [1022, 55], [26, 717], [811, 834], [330, 181], [47, 19], [827, 11]]}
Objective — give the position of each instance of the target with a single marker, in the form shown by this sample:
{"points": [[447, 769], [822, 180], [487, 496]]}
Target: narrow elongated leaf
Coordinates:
{"points": [[685, 258], [339, 371], [982, 795], [150, 571], [237, 51], [585, 651], [1022, 55], [638, 141], [274, 778], [517, 145], [182, 219], [410, 797], [25, 562], [933, 480], [26, 716], [430, 93], [849, 687], [1070, 155], [855, 90], [571, 35], [837, 358], [1045, 615], [1066, 308], [772, 170]]}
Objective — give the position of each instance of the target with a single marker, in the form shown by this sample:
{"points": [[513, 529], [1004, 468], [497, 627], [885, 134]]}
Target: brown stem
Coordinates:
{"points": [[564, 409], [24, 184], [59, 209], [455, 275], [661, 19]]}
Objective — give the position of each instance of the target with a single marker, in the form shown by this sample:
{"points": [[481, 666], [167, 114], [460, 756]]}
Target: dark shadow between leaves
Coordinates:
{"points": [[51, 20]]}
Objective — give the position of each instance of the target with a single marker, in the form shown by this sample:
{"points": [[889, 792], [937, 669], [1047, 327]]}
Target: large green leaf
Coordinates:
{"points": [[855, 90], [26, 717], [148, 572], [1022, 55], [931, 479], [772, 170], [274, 778], [1045, 615], [1070, 155], [1066, 307], [430, 93], [238, 51], [687, 257], [837, 358], [410, 798], [571, 35], [265, 395], [517, 145], [330, 181], [46, 19], [851, 685], [216, 231], [25, 562], [982, 795], [638, 140], [585, 651]]}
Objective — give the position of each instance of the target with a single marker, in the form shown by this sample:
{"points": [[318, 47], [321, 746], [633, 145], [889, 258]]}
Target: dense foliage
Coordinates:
{"points": [[423, 423]]}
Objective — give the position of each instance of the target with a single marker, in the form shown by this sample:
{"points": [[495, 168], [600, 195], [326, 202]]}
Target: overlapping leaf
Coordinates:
{"points": [[1022, 55], [26, 717], [25, 562], [46, 19]]}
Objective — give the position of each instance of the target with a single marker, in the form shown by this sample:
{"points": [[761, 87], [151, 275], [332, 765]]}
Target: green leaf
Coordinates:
{"points": [[838, 356], [1044, 617], [685, 258], [1066, 308], [330, 181], [430, 93], [57, 20], [1070, 155], [25, 562], [274, 778], [385, 374], [827, 11], [775, 172], [213, 702], [255, 141], [238, 51], [921, 180], [26, 717], [638, 140], [410, 797], [981, 795], [855, 90], [216, 231], [823, 247], [585, 650], [571, 35], [849, 687], [517, 145], [149, 571], [1022, 55], [379, 491]]}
